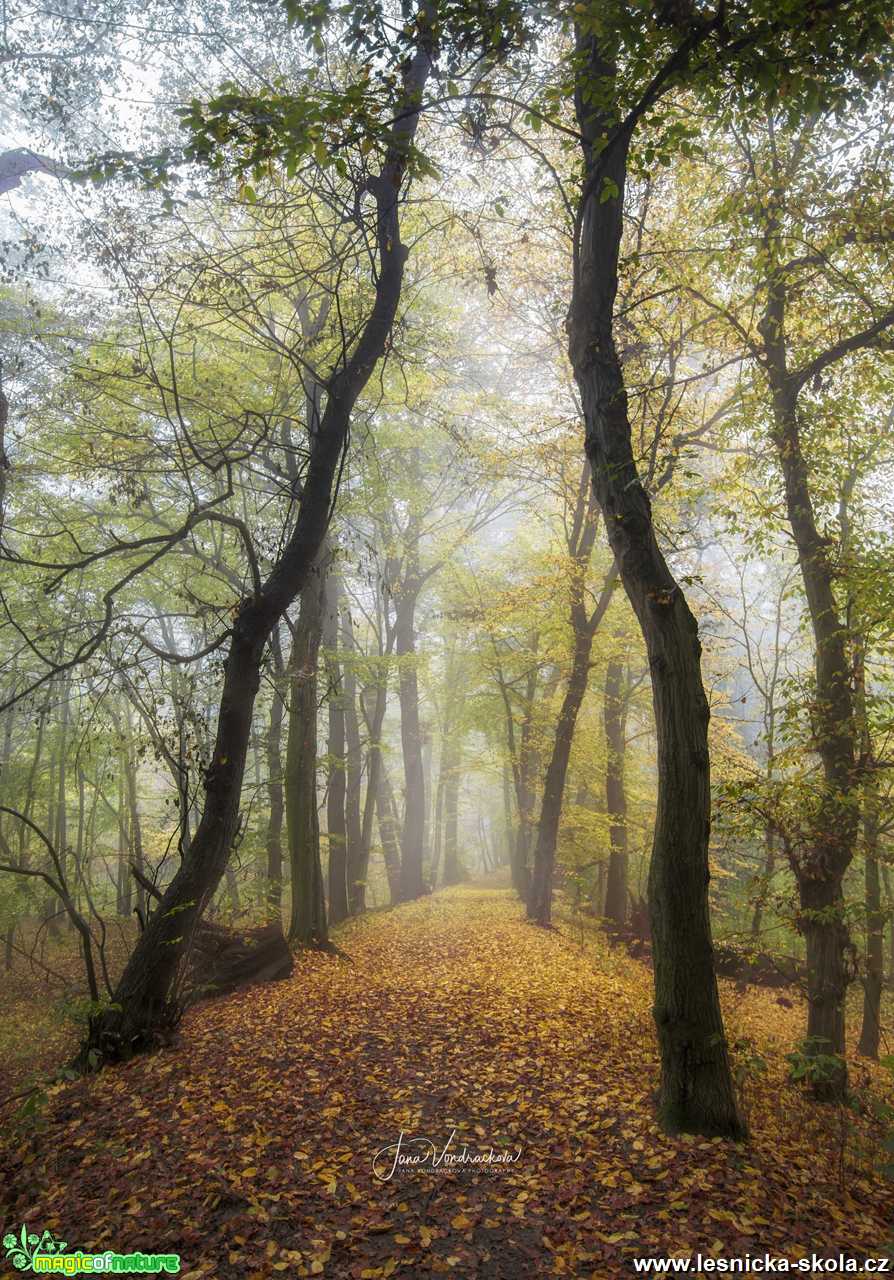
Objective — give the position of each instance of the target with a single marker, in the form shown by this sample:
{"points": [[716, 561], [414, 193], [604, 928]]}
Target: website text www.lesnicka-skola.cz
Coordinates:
{"points": [[764, 1264]]}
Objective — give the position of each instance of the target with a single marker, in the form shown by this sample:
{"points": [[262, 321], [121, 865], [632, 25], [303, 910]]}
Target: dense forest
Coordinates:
{"points": [[447, 637]]}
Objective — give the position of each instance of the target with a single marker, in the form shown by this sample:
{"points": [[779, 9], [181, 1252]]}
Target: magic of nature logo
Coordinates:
{"points": [[30, 1251]]}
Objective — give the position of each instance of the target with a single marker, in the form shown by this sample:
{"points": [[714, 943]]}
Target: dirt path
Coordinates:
{"points": [[248, 1148]]}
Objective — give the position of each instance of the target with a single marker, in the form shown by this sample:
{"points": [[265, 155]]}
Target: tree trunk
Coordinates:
{"points": [[453, 871], [506, 856], [388, 833], [580, 546], [615, 722], [135, 826], [308, 920], [524, 765], [696, 1093], [412, 883], [870, 1031], [541, 895], [356, 860], [819, 869], [335, 799], [144, 1000], [766, 876], [371, 803], [123, 885], [889, 899], [275, 778]]}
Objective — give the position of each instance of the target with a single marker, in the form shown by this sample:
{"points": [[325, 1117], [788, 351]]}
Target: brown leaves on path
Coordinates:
{"points": [[248, 1147]]}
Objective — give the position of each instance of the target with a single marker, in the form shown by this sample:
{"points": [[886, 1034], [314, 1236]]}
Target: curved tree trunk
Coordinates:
{"points": [[697, 1093], [145, 998]]}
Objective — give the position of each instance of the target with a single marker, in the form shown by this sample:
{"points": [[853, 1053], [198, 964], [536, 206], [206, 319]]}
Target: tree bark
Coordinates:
{"points": [[275, 778], [541, 894], [412, 882], [583, 628], [453, 871], [766, 877], [870, 1030], [696, 1093], [819, 870], [308, 927], [356, 859], [615, 722], [145, 998], [335, 800], [388, 833]]}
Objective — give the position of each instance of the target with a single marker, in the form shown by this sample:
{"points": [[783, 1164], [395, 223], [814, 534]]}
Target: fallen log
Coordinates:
{"points": [[222, 959], [742, 964]]}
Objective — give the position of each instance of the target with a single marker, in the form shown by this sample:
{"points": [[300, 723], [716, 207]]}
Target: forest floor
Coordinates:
{"points": [[249, 1146]]}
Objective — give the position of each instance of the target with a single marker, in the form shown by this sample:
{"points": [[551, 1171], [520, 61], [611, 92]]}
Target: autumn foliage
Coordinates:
{"points": [[248, 1146]]}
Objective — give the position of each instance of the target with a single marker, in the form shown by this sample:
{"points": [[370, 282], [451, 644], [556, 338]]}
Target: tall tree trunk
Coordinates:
{"points": [[355, 862], [437, 847], [889, 898], [873, 979], [615, 722], [870, 1030], [124, 884], [697, 1093], [275, 778], [145, 999], [308, 920], [4, 457], [583, 628], [507, 816], [135, 826], [372, 800], [412, 883], [453, 870], [335, 799], [541, 895], [388, 832], [819, 869], [427, 749], [523, 757], [8, 722], [766, 877]]}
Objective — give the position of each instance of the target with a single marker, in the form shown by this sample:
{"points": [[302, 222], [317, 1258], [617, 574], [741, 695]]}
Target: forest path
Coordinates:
{"points": [[248, 1146]]}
